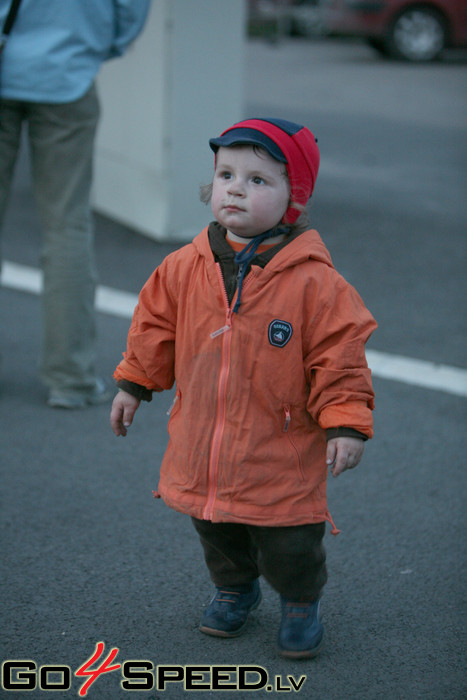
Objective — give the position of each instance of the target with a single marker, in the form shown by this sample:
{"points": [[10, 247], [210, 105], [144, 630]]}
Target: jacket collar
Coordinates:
{"points": [[298, 247]]}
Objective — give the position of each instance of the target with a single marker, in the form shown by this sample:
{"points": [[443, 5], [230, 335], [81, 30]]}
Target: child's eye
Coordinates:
{"points": [[258, 180], [225, 175]]}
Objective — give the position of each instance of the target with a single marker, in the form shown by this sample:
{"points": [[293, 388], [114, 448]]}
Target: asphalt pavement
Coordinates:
{"points": [[88, 555]]}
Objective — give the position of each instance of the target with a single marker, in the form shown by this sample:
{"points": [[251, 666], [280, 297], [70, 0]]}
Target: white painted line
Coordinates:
{"points": [[115, 302], [418, 372], [387, 366], [29, 279], [22, 277]]}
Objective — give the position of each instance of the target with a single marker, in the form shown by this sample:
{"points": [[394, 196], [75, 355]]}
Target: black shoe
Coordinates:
{"points": [[227, 613], [301, 631]]}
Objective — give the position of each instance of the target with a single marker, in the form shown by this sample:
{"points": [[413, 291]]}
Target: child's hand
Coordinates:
{"points": [[344, 453], [123, 409]]}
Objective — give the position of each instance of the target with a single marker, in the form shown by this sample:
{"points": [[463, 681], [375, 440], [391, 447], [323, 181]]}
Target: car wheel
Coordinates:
{"points": [[418, 34]]}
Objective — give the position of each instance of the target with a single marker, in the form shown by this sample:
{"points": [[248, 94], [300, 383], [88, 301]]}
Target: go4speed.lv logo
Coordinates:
{"points": [[24, 675]]}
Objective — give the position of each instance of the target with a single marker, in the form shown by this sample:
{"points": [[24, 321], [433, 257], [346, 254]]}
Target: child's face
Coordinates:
{"points": [[250, 190]]}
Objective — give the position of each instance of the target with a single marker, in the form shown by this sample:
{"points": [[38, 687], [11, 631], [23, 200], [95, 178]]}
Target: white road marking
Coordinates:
{"points": [[418, 372], [384, 365], [29, 279], [26, 279]]}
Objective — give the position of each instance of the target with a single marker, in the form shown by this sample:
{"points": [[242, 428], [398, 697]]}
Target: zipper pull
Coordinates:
{"points": [[225, 328], [219, 331], [288, 418], [170, 409]]}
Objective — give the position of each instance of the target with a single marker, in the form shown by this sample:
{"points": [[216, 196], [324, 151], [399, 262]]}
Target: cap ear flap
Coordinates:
{"points": [[294, 210]]}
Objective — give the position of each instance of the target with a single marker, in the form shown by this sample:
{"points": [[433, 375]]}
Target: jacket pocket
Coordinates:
{"points": [[288, 430]]}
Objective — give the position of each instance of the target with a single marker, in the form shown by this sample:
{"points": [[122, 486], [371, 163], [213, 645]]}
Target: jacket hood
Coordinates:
{"points": [[306, 246]]}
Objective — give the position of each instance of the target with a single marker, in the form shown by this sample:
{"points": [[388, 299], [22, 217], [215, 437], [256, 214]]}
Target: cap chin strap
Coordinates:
{"points": [[246, 255]]}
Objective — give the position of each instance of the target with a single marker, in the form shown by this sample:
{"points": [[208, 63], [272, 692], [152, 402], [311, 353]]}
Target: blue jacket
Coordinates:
{"points": [[56, 47]]}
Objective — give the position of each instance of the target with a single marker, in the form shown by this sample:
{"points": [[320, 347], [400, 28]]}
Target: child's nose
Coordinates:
{"points": [[236, 187]]}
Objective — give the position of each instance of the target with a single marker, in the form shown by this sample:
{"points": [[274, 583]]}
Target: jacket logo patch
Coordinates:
{"points": [[279, 333]]}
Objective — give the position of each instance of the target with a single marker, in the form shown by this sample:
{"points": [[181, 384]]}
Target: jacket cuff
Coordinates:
{"points": [[332, 433], [353, 414], [136, 390]]}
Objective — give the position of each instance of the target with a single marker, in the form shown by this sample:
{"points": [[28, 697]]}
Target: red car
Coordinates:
{"points": [[413, 30]]}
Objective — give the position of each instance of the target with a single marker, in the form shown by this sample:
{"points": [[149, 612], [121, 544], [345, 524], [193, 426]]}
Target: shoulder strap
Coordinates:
{"points": [[10, 18]]}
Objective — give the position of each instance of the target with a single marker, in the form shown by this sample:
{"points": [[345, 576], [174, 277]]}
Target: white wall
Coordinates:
{"points": [[179, 84]]}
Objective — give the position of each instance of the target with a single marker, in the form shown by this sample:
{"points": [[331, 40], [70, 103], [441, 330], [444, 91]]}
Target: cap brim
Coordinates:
{"points": [[247, 137]]}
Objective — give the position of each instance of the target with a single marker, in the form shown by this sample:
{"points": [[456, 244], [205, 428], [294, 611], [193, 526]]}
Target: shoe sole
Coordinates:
{"points": [[306, 654], [213, 632], [221, 633]]}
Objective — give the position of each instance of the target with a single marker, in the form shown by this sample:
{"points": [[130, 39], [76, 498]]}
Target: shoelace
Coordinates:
{"points": [[227, 597]]}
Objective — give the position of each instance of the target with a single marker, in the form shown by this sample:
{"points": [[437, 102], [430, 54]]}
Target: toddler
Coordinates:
{"points": [[266, 344]]}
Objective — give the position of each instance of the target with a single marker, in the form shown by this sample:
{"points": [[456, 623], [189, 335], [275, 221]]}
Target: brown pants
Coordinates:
{"points": [[291, 559]]}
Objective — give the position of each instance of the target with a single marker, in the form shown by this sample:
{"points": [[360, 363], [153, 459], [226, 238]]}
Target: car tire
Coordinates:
{"points": [[418, 34], [379, 45]]}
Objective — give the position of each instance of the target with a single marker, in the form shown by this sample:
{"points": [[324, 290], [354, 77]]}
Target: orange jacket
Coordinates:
{"points": [[257, 389]]}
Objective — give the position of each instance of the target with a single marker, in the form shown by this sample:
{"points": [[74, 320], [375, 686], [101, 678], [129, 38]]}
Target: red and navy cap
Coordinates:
{"points": [[288, 143]]}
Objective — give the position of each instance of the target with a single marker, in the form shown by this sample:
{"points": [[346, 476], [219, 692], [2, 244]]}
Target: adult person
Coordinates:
{"points": [[47, 70]]}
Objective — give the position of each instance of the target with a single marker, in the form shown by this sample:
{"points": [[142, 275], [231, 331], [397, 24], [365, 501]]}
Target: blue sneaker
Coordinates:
{"points": [[301, 631], [227, 613]]}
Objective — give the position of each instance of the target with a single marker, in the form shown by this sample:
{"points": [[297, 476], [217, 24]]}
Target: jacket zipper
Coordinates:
{"points": [[285, 429], [219, 426]]}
